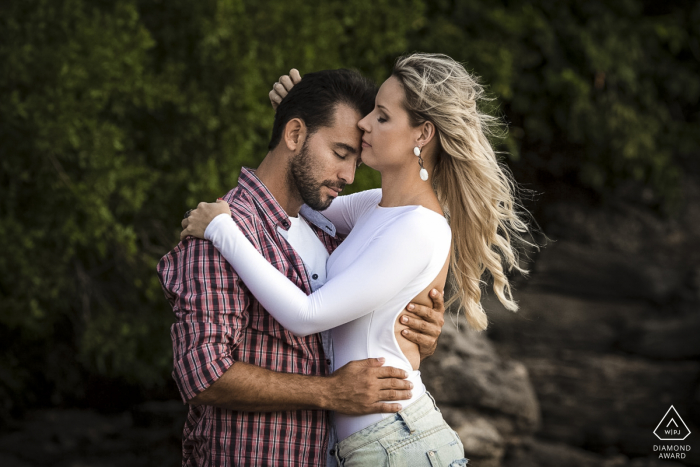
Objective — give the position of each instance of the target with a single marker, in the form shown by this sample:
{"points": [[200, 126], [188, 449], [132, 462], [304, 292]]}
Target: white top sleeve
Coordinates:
{"points": [[345, 210], [391, 260]]}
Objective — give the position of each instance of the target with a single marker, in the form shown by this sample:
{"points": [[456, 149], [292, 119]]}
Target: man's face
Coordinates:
{"points": [[328, 159]]}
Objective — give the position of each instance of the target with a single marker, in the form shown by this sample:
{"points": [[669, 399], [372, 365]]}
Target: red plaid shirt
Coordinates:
{"points": [[219, 322]]}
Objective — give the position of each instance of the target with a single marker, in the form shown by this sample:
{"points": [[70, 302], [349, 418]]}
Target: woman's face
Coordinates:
{"points": [[388, 138]]}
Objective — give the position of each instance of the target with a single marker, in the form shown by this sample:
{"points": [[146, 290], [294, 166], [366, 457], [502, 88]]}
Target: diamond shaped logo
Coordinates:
{"points": [[671, 427]]}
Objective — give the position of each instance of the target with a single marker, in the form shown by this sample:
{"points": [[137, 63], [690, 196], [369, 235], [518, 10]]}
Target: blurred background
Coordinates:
{"points": [[117, 116]]}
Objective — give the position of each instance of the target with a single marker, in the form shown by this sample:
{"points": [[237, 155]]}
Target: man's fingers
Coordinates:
{"points": [[383, 407], [418, 325], [294, 75], [423, 312], [374, 362], [421, 339], [391, 372], [286, 81], [394, 395], [395, 383], [438, 299], [279, 89]]}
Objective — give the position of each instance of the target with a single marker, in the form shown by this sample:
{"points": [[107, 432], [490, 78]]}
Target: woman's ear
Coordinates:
{"points": [[427, 133], [294, 134]]}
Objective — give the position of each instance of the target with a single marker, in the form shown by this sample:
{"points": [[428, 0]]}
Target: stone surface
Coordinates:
{"points": [[549, 323], [73, 438], [537, 453], [669, 338], [467, 372], [592, 271], [483, 443], [608, 330]]}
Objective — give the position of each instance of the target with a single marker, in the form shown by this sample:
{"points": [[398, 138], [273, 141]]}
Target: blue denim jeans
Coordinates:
{"points": [[415, 437]]}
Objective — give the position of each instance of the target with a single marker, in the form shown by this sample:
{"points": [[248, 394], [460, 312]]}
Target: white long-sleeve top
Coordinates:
{"points": [[389, 257]]}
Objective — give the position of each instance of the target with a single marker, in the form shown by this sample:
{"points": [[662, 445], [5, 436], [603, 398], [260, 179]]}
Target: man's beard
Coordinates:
{"points": [[301, 174]]}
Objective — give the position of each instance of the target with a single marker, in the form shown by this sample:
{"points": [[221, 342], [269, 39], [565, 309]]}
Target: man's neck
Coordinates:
{"points": [[273, 173]]}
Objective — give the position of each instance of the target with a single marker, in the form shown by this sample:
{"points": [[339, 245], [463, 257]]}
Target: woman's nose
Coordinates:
{"points": [[362, 125]]}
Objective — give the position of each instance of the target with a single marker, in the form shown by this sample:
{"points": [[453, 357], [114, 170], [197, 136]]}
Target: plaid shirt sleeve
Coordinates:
{"points": [[211, 312]]}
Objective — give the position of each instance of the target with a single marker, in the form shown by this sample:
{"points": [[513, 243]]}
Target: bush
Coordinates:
{"points": [[118, 116]]}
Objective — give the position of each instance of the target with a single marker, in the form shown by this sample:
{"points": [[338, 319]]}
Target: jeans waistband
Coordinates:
{"points": [[408, 416]]}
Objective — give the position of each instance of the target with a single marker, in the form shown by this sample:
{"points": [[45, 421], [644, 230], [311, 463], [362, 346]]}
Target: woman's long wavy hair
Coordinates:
{"points": [[476, 191]]}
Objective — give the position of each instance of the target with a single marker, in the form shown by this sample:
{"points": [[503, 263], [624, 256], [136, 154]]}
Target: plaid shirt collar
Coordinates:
{"points": [[273, 213]]}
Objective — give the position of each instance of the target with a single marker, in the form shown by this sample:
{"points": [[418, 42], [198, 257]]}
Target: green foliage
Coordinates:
{"points": [[115, 117], [600, 92]]}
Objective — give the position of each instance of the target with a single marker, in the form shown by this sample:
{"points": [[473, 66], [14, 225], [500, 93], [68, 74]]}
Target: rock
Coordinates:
{"points": [[467, 372], [483, 444], [610, 400], [652, 462], [8, 460], [548, 323], [590, 271], [84, 437], [672, 337], [536, 453]]}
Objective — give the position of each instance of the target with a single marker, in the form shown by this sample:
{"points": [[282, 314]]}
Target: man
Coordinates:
{"points": [[259, 395]]}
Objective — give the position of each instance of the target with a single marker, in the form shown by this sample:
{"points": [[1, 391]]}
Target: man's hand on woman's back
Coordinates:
{"points": [[425, 324]]}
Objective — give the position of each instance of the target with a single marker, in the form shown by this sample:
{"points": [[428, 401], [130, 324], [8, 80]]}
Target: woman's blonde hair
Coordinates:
{"points": [[476, 191]]}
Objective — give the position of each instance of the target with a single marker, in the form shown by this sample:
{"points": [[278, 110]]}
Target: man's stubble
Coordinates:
{"points": [[303, 179]]}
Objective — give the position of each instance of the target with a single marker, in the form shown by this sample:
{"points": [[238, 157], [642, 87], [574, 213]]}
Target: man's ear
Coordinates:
{"points": [[294, 134]]}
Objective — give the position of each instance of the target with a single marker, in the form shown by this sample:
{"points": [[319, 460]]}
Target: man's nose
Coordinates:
{"points": [[347, 174]]}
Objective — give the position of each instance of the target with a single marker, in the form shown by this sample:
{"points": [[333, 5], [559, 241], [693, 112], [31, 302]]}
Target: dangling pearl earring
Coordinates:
{"points": [[423, 172]]}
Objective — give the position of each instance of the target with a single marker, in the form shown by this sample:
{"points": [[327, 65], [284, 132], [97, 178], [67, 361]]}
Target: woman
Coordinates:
{"points": [[430, 143]]}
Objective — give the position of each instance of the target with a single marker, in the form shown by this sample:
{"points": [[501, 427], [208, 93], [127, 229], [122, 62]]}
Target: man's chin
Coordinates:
{"points": [[326, 205], [320, 205]]}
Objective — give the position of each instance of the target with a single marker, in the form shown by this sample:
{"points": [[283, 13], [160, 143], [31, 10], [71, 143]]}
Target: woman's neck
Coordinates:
{"points": [[404, 187]]}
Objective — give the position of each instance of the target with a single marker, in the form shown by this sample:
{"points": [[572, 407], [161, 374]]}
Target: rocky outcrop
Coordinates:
{"points": [[608, 330], [147, 435], [535, 453], [607, 336], [484, 397]]}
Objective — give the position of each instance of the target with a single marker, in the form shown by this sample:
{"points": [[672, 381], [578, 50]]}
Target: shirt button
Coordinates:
{"points": [[314, 277], [328, 361], [285, 223]]}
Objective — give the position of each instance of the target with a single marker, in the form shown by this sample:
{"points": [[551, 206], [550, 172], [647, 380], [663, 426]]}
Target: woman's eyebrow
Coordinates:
{"points": [[383, 108]]}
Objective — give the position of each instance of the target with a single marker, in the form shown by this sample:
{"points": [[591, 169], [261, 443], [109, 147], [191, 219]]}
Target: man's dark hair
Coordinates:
{"points": [[315, 98]]}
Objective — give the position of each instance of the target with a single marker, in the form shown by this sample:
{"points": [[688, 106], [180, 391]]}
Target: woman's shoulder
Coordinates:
{"points": [[363, 200], [419, 221]]}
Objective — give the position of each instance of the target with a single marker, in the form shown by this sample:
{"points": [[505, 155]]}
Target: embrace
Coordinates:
{"points": [[302, 316]]}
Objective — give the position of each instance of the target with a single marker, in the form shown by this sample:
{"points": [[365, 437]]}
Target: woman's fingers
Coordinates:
{"points": [[282, 87], [286, 81], [275, 99], [280, 90], [294, 75]]}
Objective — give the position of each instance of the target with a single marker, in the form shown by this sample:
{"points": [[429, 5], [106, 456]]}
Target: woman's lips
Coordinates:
{"points": [[365, 144]]}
